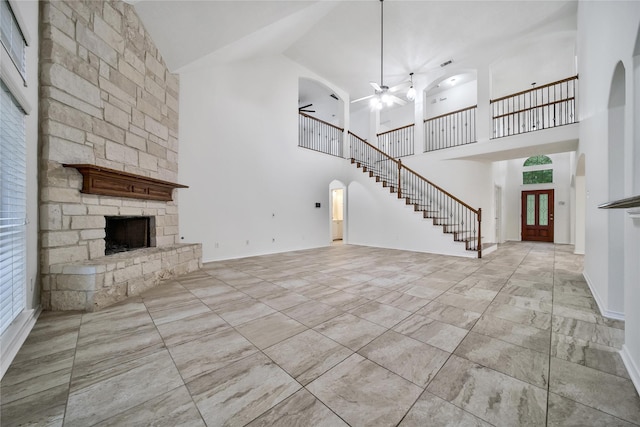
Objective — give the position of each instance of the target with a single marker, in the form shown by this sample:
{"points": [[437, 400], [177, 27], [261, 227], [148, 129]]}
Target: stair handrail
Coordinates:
{"points": [[410, 172], [401, 165]]}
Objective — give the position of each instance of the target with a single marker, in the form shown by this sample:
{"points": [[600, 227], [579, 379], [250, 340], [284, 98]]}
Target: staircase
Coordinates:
{"points": [[456, 218]]}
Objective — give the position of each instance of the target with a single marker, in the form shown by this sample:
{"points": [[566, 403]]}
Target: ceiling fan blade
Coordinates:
{"points": [[362, 99], [376, 86], [399, 86], [398, 100], [307, 111], [305, 106]]}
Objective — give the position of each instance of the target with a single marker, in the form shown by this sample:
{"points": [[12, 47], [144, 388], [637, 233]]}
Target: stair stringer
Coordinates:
{"points": [[378, 218]]}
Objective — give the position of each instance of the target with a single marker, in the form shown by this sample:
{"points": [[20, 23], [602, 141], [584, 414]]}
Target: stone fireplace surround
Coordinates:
{"points": [[98, 282], [107, 100]]}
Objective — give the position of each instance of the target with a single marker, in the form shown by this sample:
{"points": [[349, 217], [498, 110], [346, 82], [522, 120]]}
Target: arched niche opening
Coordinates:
{"points": [[321, 102], [450, 93]]}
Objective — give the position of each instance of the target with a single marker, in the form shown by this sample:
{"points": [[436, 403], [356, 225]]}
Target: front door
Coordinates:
{"points": [[537, 215]]}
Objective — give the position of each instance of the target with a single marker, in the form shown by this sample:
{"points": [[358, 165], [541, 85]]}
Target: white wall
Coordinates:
{"points": [[508, 175], [398, 116], [14, 336], [376, 219], [252, 189], [455, 98], [607, 33], [531, 61]]}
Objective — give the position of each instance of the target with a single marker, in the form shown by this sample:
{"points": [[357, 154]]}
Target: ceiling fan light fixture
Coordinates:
{"points": [[411, 94]]}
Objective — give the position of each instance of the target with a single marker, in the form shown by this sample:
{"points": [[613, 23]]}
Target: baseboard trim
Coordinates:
{"points": [[606, 313], [631, 366], [15, 335]]}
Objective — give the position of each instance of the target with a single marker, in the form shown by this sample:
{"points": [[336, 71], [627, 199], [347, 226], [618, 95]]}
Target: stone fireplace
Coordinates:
{"points": [[108, 106]]}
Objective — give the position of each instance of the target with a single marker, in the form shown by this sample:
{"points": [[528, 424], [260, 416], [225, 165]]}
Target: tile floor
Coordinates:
{"points": [[336, 336]]}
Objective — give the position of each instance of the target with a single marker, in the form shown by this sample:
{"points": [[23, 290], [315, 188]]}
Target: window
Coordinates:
{"points": [[12, 38], [12, 208], [535, 174], [537, 160]]}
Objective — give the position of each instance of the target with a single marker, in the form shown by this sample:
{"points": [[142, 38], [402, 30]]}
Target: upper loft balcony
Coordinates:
{"points": [[540, 119]]}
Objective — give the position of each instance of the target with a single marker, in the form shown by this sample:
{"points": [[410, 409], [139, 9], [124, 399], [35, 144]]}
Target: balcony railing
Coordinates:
{"points": [[318, 135], [543, 107], [451, 129], [397, 142]]}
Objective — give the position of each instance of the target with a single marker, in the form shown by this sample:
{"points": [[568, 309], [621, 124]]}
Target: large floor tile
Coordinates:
{"points": [[46, 408], [173, 408], [350, 331], [411, 359], [566, 412], [495, 397], [301, 409], [365, 394], [519, 362], [210, 352], [381, 314], [449, 314], [433, 332], [269, 330], [101, 400], [312, 313], [241, 391], [430, 410], [514, 333], [607, 393], [307, 355], [238, 312], [192, 327]]}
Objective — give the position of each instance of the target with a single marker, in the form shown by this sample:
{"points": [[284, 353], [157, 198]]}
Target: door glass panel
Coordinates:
{"points": [[531, 209], [543, 206]]}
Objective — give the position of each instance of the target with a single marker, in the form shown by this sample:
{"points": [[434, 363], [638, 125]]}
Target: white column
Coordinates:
{"points": [[483, 118]]}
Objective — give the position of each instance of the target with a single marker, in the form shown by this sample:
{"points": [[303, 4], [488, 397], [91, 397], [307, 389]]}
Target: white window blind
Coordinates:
{"points": [[12, 38], [12, 208]]}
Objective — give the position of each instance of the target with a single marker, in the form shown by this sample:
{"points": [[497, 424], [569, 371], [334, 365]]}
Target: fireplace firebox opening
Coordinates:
{"points": [[127, 233]]}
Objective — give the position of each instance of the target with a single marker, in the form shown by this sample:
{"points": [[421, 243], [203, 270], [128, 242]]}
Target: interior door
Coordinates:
{"points": [[537, 215]]}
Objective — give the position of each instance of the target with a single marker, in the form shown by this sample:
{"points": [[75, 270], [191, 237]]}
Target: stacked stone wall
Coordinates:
{"points": [[106, 98]]}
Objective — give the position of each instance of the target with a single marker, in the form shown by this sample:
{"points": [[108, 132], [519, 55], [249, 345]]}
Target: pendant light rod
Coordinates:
{"points": [[381, 42]]}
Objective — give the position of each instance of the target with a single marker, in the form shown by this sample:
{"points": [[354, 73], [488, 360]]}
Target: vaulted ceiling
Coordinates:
{"points": [[340, 40]]}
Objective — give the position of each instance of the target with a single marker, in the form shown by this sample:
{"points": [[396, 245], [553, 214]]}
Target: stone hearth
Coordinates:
{"points": [[93, 284]]}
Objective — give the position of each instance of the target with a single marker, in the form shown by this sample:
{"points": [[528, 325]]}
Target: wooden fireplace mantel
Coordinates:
{"points": [[111, 182]]}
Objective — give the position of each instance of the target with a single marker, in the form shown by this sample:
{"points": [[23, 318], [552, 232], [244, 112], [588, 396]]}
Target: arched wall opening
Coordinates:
{"points": [[320, 101], [616, 174]]}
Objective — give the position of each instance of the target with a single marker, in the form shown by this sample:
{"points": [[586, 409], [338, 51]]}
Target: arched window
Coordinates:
{"points": [[534, 173]]}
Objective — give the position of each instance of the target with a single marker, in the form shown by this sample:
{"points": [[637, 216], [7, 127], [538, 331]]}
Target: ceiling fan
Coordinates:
{"points": [[305, 109], [383, 95]]}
